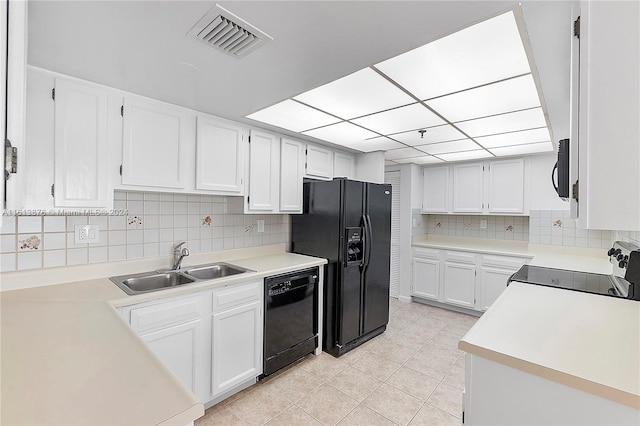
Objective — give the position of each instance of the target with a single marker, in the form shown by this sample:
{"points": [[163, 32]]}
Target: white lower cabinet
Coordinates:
{"points": [[494, 275], [459, 279], [210, 340], [426, 273]]}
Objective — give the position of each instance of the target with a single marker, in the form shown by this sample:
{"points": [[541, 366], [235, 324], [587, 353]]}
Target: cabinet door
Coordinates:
{"points": [[459, 284], [291, 173], [153, 146], [506, 186], [264, 166], [319, 162], [344, 165], [426, 278], [236, 346], [219, 156], [435, 190], [467, 188], [80, 141], [179, 348], [493, 281]]}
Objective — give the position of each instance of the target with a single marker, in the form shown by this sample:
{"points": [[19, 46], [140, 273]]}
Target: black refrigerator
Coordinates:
{"points": [[349, 223]]}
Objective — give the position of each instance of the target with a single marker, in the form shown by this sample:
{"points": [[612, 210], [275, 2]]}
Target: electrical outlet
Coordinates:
{"points": [[85, 234], [260, 225], [483, 224]]}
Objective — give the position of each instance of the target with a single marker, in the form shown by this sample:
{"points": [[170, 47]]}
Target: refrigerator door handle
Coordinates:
{"points": [[369, 236]]}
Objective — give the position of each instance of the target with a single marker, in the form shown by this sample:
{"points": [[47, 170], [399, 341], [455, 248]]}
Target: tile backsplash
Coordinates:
{"points": [[150, 225], [497, 227], [555, 227]]}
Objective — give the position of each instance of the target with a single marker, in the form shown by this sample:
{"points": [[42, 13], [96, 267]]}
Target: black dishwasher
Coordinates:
{"points": [[290, 318]]}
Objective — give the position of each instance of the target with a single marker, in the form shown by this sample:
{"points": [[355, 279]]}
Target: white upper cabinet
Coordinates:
{"points": [[506, 186], [467, 188], [220, 150], [291, 172], [319, 162], [80, 145], [154, 144], [264, 168], [435, 190], [344, 165]]}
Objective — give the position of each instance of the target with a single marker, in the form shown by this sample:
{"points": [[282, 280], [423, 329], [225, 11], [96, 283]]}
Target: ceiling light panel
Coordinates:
{"points": [[466, 155], [427, 159], [403, 153], [515, 138], [361, 93], [497, 98], [431, 135], [345, 134], [376, 144], [521, 120], [446, 147], [293, 116], [489, 51], [409, 117], [531, 148]]}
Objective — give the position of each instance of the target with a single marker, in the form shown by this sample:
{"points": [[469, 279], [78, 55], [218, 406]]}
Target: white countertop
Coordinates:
{"points": [[565, 336], [68, 357]]}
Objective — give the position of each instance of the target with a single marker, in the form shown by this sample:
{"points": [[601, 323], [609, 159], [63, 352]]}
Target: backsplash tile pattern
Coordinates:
{"points": [[153, 223], [555, 227], [498, 227], [419, 223]]}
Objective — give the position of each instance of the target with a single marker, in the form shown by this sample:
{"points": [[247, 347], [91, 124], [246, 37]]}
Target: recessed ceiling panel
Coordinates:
{"points": [[521, 120], [341, 134], [293, 116], [523, 149], [431, 135], [410, 117], [497, 98], [445, 147], [489, 51], [376, 144], [515, 138], [466, 155], [427, 159], [361, 93], [395, 154]]}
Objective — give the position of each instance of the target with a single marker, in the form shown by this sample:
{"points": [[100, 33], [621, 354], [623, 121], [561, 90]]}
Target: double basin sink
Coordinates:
{"points": [[146, 282]]}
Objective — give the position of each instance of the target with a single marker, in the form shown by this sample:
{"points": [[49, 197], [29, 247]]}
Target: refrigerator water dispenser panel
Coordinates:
{"points": [[354, 244]]}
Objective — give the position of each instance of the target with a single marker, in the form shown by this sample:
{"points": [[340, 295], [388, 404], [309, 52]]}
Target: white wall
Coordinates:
{"points": [[370, 167]]}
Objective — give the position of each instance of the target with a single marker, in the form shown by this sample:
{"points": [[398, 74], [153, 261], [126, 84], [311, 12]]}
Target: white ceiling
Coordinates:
{"points": [[143, 47]]}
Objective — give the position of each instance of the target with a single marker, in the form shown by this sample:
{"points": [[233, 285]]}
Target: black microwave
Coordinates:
{"points": [[561, 170]]}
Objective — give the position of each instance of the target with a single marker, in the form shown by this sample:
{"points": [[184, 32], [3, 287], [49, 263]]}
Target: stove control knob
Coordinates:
{"points": [[611, 251], [622, 264], [620, 257]]}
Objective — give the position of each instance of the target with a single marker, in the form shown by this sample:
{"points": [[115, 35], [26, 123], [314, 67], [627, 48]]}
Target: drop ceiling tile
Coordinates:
{"points": [[523, 149], [497, 98], [511, 122], [395, 154], [376, 144], [293, 116], [409, 117], [446, 147], [363, 92], [432, 135], [341, 134], [466, 155], [515, 138], [427, 159], [482, 53]]}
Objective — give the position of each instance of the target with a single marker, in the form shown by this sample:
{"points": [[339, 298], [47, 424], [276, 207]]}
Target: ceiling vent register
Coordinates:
{"points": [[228, 33]]}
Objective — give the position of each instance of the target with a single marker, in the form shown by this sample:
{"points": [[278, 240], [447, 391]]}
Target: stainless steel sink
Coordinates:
{"points": [[151, 281], [160, 280], [215, 270]]}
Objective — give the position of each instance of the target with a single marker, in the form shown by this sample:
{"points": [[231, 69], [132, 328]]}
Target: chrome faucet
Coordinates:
{"points": [[179, 253]]}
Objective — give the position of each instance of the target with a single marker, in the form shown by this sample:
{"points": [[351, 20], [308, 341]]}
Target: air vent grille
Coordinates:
{"points": [[226, 32]]}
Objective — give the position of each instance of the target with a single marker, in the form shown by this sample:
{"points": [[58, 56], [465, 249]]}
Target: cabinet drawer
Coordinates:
{"points": [[504, 262], [161, 315], [236, 295], [460, 257], [426, 253]]}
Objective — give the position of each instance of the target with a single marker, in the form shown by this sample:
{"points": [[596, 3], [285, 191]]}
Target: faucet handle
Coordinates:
{"points": [[180, 244]]}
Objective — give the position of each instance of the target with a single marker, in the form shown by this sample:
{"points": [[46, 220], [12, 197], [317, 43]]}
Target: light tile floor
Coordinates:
{"points": [[413, 374]]}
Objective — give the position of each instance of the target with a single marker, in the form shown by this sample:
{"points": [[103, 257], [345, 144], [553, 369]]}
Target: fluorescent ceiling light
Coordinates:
{"points": [[515, 138], [414, 116], [431, 135], [395, 154], [523, 149], [294, 116], [341, 134], [361, 93], [376, 144], [466, 155], [445, 147], [427, 159], [489, 51], [498, 98], [520, 120]]}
